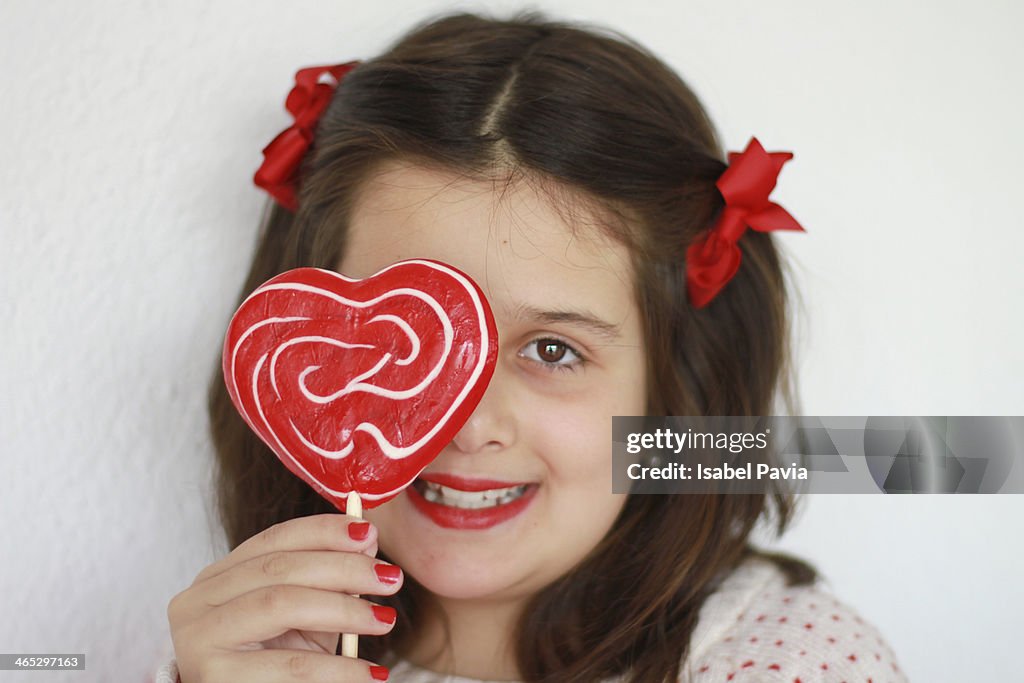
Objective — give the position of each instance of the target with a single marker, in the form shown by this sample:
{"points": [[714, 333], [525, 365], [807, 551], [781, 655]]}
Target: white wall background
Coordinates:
{"points": [[129, 132]]}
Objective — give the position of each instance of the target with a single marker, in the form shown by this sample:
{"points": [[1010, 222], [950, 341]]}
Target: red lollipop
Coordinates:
{"points": [[357, 385]]}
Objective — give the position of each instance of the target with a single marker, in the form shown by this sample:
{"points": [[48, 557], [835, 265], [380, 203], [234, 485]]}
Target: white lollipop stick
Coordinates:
{"points": [[350, 641]]}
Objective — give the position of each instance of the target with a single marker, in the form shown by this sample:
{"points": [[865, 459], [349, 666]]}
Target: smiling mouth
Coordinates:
{"points": [[468, 500]]}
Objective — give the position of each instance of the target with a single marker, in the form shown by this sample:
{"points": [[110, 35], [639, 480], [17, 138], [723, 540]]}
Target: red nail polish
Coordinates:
{"points": [[379, 673], [385, 614], [358, 531], [388, 573]]}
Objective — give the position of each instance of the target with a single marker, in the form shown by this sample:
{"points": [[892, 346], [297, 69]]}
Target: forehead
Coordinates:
{"points": [[508, 237]]}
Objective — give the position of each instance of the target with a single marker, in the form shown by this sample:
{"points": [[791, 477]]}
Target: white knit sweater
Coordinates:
{"points": [[753, 628]]}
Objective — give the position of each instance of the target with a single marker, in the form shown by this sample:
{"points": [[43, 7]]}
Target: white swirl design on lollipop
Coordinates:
{"points": [[363, 382]]}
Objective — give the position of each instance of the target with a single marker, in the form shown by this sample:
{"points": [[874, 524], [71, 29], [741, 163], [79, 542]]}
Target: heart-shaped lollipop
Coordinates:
{"points": [[357, 385]]}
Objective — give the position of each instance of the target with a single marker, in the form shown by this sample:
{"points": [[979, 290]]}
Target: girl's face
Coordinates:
{"points": [[570, 356]]}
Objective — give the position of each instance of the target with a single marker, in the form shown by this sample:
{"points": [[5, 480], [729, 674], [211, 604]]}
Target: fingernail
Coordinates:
{"points": [[379, 673], [385, 614], [388, 573], [358, 531]]}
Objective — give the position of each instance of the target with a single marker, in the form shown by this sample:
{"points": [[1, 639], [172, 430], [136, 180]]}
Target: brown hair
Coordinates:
{"points": [[589, 110]]}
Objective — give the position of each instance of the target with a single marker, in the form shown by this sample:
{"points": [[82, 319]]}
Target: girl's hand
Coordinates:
{"points": [[273, 609]]}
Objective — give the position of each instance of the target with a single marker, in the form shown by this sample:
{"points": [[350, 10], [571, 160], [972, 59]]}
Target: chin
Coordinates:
{"points": [[461, 573], [446, 586]]}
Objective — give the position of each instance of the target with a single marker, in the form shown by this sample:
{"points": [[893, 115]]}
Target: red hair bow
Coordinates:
{"points": [[713, 260], [282, 157]]}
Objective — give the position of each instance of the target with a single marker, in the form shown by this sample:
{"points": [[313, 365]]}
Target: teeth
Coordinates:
{"points": [[469, 500]]}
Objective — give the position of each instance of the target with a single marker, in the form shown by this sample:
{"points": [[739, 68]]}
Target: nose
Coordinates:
{"points": [[492, 425]]}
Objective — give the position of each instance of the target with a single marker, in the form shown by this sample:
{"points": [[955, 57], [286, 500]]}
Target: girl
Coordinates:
{"points": [[581, 184]]}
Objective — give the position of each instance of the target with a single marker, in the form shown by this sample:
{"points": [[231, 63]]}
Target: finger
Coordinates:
{"points": [[266, 613], [276, 666], [323, 569], [316, 532]]}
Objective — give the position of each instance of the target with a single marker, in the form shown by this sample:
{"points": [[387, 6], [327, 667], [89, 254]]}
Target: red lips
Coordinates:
{"points": [[451, 517], [357, 385]]}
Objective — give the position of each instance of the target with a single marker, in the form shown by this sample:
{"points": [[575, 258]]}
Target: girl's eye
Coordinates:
{"points": [[554, 354]]}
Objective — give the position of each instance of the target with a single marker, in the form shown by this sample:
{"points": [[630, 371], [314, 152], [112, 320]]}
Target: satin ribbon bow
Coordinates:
{"points": [[713, 259], [278, 174]]}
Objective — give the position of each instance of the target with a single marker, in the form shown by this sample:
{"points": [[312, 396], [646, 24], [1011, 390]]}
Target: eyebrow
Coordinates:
{"points": [[583, 319]]}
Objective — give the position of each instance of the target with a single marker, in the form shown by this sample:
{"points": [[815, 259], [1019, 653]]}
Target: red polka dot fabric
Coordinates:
{"points": [[755, 628]]}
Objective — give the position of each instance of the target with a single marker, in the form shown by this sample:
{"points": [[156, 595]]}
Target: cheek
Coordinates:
{"points": [[574, 440], [573, 432]]}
